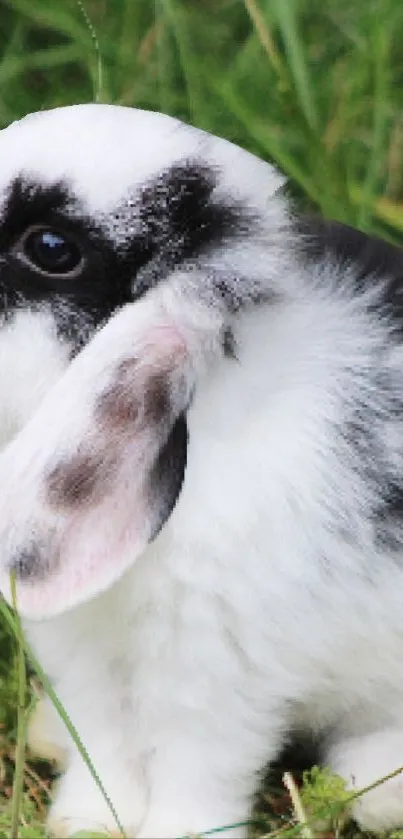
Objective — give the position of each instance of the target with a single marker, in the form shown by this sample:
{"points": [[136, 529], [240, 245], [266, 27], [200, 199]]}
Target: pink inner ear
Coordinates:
{"points": [[98, 547]]}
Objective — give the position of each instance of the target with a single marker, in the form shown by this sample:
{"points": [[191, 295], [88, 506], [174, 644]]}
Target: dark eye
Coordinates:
{"points": [[51, 251]]}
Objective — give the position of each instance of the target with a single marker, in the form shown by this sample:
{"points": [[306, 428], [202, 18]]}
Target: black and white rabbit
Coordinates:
{"points": [[202, 500]]}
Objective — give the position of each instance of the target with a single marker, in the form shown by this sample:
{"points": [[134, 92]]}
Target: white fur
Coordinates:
{"points": [[127, 146], [47, 735], [31, 361], [184, 676]]}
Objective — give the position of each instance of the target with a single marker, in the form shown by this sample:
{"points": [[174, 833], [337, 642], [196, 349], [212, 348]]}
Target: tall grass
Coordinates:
{"points": [[313, 86]]}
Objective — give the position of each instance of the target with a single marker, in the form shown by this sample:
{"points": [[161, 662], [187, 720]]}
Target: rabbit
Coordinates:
{"points": [[201, 468]]}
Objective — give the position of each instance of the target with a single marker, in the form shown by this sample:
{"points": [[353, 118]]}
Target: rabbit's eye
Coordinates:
{"points": [[51, 251]]}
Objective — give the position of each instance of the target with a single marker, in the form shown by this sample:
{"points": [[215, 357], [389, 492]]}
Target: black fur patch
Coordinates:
{"points": [[371, 258], [364, 443], [365, 430], [166, 478], [182, 220], [388, 520], [78, 304], [369, 255], [172, 220]]}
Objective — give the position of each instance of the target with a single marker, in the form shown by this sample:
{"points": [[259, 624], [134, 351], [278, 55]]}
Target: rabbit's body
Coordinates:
{"points": [[211, 530], [259, 615]]}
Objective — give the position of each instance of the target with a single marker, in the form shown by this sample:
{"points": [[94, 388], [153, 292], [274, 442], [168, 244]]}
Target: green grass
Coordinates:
{"points": [[314, 86]]}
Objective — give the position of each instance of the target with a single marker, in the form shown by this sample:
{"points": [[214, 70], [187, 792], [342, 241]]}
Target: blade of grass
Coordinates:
{"points": [[21, 720], [299, 810], [97, 76], [217, 830], [384, 209], [13, 622], [287, 17], [51, 15], [174, 15], [264, 35], [163, 61], [44, 59], [380, 53]]}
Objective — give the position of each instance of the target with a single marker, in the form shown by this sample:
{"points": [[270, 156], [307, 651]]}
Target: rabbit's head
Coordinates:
{"points": [[97, 205], [102, 206]]}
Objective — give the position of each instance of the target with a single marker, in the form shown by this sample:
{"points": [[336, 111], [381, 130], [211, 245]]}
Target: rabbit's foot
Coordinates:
{"points": [[47, 737], [80, 804], [364, 760]]}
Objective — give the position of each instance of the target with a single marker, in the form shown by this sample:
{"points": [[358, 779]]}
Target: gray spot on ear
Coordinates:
{"points": [[126, 704], [29, 564], [120, 405], [157, 402], [83, 478], [229, 344]]}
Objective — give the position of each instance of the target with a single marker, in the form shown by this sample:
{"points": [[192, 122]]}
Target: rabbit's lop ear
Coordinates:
{"points": [[81, 503]]}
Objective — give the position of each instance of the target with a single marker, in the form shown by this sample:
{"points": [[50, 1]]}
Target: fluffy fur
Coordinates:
{"points": [[201, 472]]}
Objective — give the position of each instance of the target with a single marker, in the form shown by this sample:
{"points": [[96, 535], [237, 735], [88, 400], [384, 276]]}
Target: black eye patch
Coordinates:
{"points": [[54, 255]]}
